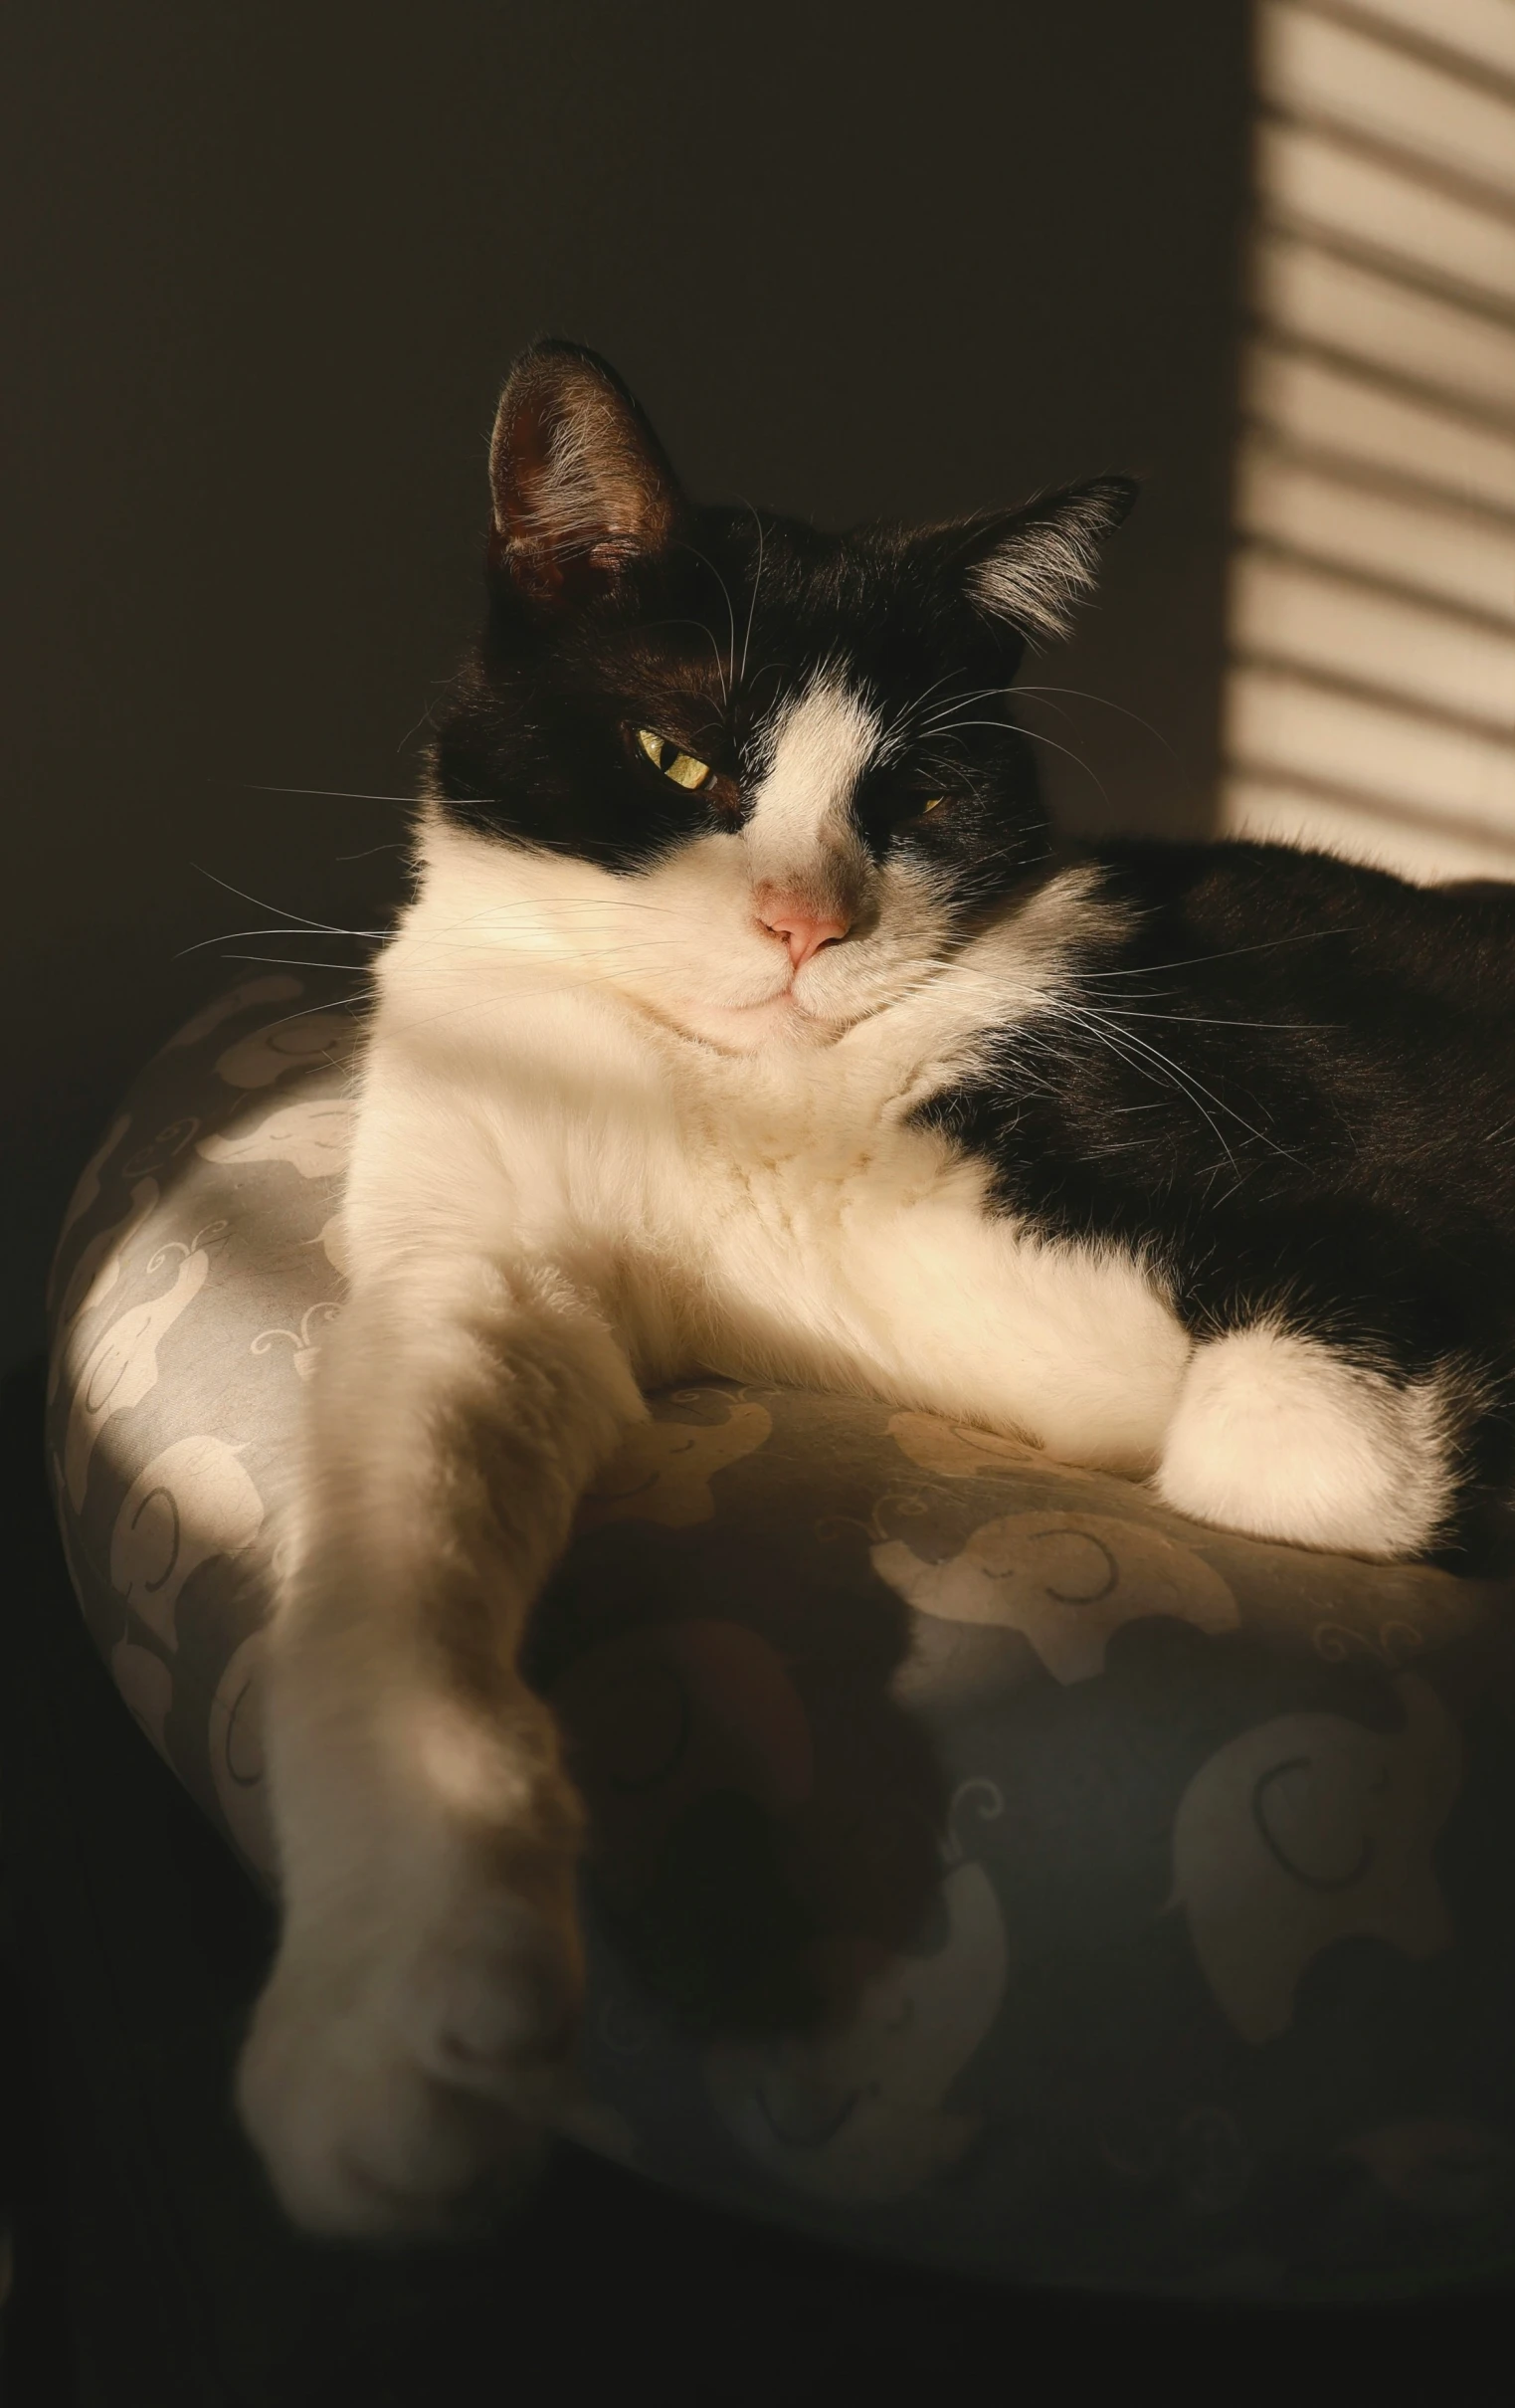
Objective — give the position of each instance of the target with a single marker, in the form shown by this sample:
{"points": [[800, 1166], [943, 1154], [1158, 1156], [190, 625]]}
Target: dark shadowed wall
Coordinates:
{"points": [[268, 264]]}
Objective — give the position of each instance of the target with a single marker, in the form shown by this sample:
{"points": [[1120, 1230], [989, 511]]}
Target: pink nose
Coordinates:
{"points": [[802, 929]]}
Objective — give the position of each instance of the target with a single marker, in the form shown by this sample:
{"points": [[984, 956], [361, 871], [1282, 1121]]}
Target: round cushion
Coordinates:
{"points": [[987, 1866]]}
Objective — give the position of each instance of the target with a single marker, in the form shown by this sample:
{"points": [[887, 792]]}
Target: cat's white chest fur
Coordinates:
{"points": [[770, 1213], [843, 1247]]}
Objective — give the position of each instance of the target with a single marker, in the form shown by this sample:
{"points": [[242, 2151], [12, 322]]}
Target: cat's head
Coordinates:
{"points": [[782, 757]]}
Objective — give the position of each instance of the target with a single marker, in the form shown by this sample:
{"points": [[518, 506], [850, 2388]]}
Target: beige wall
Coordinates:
{"points": [[1371, 705]]}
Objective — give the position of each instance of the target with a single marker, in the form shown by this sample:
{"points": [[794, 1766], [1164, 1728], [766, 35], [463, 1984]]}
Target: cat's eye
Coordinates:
{"points": [[935, 803], [666, 756]]}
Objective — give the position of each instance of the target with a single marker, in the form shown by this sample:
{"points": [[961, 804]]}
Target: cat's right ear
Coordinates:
{"points": [[581, 485]]}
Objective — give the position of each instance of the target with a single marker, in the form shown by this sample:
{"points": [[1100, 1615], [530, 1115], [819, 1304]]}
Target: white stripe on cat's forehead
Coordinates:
{"points": [[816, 747]]}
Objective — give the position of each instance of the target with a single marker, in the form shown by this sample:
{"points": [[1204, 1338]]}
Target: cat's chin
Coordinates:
{"points": [[780, 1021]]}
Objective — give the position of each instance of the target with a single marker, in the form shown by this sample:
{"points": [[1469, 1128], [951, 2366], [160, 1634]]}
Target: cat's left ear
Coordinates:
{"points": [[581, 485], [1032, 568]]}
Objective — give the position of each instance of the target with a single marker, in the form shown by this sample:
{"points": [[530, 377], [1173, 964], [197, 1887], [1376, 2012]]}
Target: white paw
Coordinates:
{"points": [[1277, 1436], [404, 2086]]}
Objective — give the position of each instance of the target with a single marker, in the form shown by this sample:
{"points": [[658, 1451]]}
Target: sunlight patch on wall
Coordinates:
{"points": [[1370, 697]]}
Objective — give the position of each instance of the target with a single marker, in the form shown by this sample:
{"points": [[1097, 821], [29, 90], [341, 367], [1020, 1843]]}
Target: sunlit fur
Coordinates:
{"points": [[1135, 1155]]}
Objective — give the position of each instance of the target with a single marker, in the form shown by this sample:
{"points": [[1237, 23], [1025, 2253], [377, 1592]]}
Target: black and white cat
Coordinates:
{"points": [[746, 1018]]}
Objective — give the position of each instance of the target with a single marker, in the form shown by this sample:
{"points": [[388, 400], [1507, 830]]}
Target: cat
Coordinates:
{"points": [[749, 1018]]}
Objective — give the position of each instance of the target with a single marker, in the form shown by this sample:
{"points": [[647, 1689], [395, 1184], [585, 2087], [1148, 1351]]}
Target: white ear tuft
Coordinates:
{"points": [[1044, 560]]}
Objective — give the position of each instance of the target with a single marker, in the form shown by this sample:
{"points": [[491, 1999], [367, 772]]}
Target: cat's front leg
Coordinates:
{"points": [[412, 2044]]}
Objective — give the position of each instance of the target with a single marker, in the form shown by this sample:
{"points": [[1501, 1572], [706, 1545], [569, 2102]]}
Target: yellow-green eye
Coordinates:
{"points": [[681, 767], [935, 804]]}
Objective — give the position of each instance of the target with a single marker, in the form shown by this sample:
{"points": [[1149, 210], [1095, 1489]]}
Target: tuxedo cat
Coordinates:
{"points": [[748, 1018]]}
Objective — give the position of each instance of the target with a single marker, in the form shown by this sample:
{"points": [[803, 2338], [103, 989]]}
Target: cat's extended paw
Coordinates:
{"points": [[409, 2094]]}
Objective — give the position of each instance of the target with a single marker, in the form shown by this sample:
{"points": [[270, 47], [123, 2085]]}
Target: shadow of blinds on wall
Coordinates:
{"points": [[1371, 691]]}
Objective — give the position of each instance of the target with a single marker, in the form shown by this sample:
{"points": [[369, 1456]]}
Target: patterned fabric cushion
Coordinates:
{"points": [[987, 1866]]}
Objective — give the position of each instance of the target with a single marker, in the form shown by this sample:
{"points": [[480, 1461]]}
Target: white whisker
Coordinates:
{"points": [[741, 676]]}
